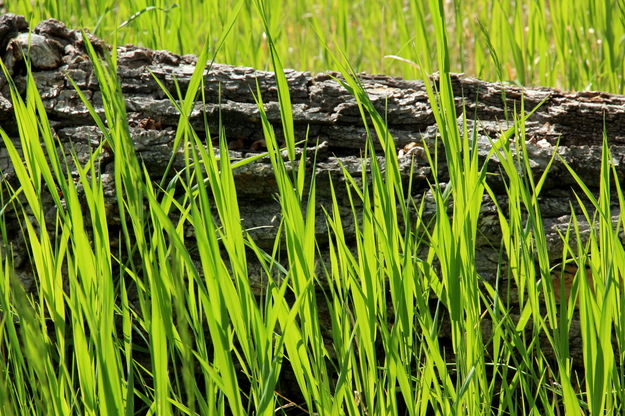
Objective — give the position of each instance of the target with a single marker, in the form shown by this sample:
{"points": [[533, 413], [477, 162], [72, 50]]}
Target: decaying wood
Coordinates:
{"points": [[323, 109]]}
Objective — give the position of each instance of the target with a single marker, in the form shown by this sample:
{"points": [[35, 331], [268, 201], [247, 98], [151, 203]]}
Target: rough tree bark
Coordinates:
{"points": [[321, 107]]}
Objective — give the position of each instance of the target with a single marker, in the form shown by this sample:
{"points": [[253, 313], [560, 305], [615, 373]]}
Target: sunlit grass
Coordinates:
{"points": [[574, 44], [149, 329]]}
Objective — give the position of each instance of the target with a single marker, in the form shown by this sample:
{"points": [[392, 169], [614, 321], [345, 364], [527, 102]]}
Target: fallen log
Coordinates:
{"points": [[570, 123]]}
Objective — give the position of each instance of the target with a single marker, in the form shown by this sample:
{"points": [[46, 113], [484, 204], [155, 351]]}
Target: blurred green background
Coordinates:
{"points": [[573, 44]]}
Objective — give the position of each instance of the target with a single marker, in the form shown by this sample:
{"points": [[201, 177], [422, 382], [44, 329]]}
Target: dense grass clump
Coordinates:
{"points": [[146, 329]]}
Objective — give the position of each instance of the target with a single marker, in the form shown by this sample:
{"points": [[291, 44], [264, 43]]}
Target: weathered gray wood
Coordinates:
{"points": [[322, 107]]}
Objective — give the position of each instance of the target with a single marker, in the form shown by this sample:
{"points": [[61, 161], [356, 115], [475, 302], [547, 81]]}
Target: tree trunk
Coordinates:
{"points": [[323, 109]]}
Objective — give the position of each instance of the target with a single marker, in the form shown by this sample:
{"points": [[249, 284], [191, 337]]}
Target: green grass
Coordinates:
{"points": [[575, 44], [146, 329]]}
